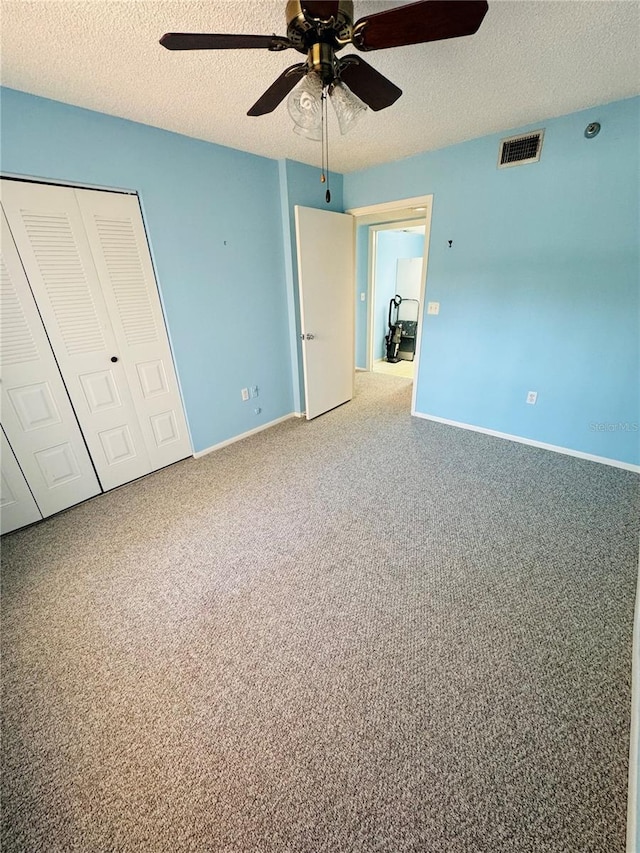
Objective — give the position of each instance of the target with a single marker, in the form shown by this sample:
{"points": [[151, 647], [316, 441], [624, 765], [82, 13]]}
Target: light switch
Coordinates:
{"points": [[433, 307], [363, 296]]}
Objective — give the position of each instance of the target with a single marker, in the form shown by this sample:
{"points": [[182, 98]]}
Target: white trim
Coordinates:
{"points": [[388, 206], [634, 745], [59, 182], [423, 296], [291, 282], [604, 460], [233, 440], [372, 258], [398, 225]]}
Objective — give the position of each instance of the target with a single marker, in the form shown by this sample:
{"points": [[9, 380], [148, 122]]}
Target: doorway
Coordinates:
{"points": [[394, 296], [403, 215]]}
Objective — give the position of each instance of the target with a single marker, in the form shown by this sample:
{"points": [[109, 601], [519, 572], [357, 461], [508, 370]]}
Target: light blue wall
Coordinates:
{"points": [[215, 228], [300, 185], [391, 246], [540, 290]]}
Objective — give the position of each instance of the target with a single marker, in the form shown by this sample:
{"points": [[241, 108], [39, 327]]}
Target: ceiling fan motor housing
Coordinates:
{"points": [[304, 30], [319, 38]]}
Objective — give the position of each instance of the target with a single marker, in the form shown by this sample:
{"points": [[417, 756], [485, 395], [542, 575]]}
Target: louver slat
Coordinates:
{"points": [[124, 266], [65, 281], [17, 344]]}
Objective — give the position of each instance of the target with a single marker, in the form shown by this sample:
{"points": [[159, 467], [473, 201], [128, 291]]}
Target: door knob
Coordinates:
{"points": [[114, 358]]}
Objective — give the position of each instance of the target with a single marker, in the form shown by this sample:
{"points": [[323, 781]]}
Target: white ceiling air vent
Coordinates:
{"points": [[521, 149]]}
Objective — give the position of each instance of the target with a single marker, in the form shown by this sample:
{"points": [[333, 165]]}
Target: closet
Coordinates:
{"points": [[90, 397]]}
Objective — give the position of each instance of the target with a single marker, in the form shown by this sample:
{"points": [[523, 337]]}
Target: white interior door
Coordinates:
{"points": [[118, 242], [409, 277], [17, 504], [36, 413], [326, 284]]}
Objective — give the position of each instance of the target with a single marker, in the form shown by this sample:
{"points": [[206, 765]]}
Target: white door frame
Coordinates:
{"points": [[394, 212]]}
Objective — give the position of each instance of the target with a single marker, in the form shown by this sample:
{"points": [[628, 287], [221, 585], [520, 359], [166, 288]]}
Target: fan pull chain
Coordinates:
{"points": [[324, 177], [326, 142]]}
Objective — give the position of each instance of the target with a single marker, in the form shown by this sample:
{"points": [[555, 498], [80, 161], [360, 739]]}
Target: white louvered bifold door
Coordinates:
{"points": [[17, 504], [119, 246], [47, 227], [36, 413]]}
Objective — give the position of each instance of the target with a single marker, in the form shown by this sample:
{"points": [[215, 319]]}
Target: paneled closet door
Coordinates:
{"points": [[47, 227], [118, 243], [17, 504], [36, 413]]}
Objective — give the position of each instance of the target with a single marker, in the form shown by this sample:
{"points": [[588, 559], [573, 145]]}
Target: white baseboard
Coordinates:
{"points": [[604, 460], [244, 435], [634, 746]]}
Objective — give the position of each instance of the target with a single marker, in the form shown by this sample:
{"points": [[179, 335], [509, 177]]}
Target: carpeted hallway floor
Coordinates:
{"points": [[364, 633]]}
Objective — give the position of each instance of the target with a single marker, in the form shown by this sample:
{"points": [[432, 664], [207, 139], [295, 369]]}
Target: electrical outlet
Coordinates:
{"points": [[257, 410], [254, 390], [245, 394], [532, 396], [433, 307]]}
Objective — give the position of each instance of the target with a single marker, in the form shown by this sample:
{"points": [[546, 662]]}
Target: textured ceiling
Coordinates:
{"points": [[531, 59]]}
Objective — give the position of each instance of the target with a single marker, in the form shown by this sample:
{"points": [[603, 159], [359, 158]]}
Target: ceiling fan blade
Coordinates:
{"points": [[322, 9], [278, 90], [214, 41], [429, 20], [367, 83]]}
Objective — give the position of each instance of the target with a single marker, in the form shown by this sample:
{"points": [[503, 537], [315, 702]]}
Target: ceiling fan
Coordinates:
{"points": [[322, 28]]}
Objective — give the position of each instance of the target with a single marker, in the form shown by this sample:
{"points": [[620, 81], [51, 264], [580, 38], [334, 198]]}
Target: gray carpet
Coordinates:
{"points": [[364, 633]]}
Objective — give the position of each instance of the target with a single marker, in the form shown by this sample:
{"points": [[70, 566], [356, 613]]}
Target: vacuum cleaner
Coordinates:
{"points": [[400, 340]]}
